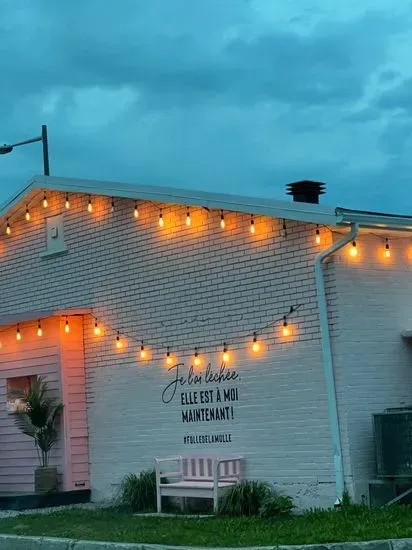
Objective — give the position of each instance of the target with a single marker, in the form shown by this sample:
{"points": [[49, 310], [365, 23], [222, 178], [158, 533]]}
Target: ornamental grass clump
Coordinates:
{"points": [[138, 492], [254, 498]]}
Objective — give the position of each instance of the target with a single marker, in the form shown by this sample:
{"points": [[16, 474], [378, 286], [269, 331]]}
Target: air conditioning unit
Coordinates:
{"points": [[393, 442]]}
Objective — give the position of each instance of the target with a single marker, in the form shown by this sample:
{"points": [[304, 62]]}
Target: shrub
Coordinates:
{"points": [[244, 499], [276, 505], [138, 492]]}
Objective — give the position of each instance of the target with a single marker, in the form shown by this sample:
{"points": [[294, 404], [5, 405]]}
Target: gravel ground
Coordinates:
{"points": [[15, 513]]}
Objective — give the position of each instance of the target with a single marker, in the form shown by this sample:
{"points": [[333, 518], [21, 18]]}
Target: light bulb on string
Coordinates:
{"points": [[317, 238], [97, 331], [119, 343], [161, 220], [67, 203], [112, 206], [222, 220], [18, 333], [252, 225], [188, 220], [196, 358], [67, 326], [169, 358], [143, 352], [28, 214], [387, 249], [39, 329], [136, 211], [90, 205], [45, 203], [255, 344], [353, 250], [286, 328], [225, 354], [8, 228]]}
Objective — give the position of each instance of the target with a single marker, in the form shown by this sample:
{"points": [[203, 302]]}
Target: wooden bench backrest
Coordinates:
{"points": [[202, 468]]}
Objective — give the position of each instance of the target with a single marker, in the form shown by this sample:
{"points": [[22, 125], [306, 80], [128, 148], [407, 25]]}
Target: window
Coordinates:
{"points": [[54, 236], [16, 387]]}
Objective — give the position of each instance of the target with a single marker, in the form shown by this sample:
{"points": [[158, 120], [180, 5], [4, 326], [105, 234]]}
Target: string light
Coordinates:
{"points": [[188, 220], [90, 206], [387, 249], [252, 225], [67, 326], [67, 204], [225, 354], [196, 358], [119, 343], [317, 239], [169, 358], [255, 345], [8, 228], [353, 250], [112, 206], [136, 211], [39, 329], [45, 203], [284, 230], [143, 352], [97, 331], [161, 220], [18, 333], [286, 329], [27, 214], [222, 220]]}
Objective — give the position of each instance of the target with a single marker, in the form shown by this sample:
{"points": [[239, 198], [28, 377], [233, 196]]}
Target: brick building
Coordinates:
{"points": [[134, 269]]}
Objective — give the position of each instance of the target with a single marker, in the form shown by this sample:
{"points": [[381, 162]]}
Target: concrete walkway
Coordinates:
{"points": [[12, 542]]}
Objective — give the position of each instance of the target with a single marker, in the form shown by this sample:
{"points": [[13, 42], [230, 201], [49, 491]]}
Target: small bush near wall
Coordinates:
{"points": [[254, 498], [137, 493]]}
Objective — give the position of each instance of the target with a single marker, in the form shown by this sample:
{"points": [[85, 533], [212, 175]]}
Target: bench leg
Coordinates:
{"points": [[215, 503], [182, 503], [159, 501]]}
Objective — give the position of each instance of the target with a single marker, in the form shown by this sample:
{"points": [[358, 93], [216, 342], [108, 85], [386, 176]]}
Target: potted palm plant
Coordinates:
{"points": [[38, 419]]}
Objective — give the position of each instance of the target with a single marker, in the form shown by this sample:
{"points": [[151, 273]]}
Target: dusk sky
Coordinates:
{"points": [[240, 96]]}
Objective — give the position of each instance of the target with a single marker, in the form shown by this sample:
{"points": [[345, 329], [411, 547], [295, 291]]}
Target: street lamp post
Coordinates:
{"points": [[4, 149]]}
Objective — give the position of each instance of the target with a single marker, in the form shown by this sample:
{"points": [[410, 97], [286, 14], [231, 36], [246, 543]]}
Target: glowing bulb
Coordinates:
{"points": [[67, 326], [112, 206], [286, 329], [317, 239], [196, 359], [67, 204], [252, 225], [97, 330], [90, 206], [169, 358], [27, 214], [45, 203], [18, 333], [8, 228], [188, 220], [143, 352], [353, 250], [255, 345], [222, 220], [39, 329], [387, 250], [136, 211], [225, 354], [119, 343], [161, 220]]}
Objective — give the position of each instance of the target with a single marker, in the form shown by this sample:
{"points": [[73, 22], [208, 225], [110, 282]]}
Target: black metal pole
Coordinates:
{"points": [[45, 150]]}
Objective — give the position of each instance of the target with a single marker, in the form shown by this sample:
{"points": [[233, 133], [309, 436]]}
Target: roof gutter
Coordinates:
{"points": [[328, 359]]}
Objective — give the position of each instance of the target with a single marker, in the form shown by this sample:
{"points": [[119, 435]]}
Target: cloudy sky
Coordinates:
{"points": [[241, 96]]}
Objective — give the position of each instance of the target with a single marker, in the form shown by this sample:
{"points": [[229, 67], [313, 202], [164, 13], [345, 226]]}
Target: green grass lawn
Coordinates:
{"points": [[349, 524]]}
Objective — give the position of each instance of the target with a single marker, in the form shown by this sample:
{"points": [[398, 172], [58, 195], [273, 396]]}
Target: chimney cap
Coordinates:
{"points": [[306, 190]]}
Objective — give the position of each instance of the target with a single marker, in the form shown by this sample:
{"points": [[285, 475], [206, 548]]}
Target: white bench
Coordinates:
{"points": [[199, 476]]}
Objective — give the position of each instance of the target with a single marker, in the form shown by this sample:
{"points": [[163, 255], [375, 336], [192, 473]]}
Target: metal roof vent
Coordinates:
{"points": [[306, 191]]}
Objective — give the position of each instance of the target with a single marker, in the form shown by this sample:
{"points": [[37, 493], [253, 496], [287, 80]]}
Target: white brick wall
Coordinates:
{"points": [[373, 365], [185, 287]]}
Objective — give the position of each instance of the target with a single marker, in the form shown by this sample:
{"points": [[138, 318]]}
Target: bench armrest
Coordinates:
{"points": [[160, 474]]}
